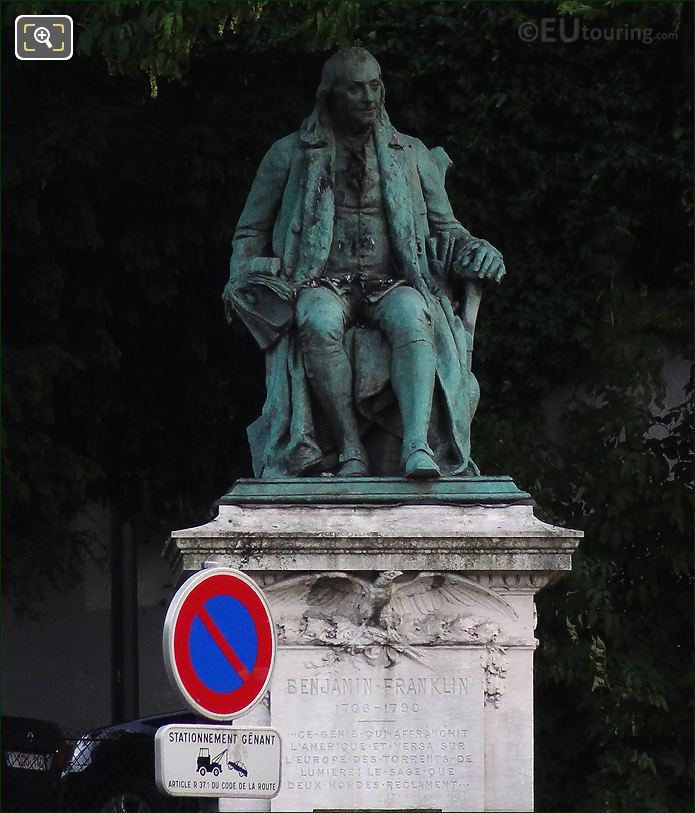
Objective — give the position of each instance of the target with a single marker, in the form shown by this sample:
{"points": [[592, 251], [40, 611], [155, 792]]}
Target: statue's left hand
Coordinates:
{"points": [[479, 259]]}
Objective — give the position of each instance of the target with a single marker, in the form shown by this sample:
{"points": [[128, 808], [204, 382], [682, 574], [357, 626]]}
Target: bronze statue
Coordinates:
{"points": [[347, 263]]}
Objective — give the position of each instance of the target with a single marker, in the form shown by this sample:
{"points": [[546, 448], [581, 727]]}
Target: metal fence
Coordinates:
{"points": [[110, 771]]}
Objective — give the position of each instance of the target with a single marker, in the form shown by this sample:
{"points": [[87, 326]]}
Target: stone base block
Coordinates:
{"points": [[404, 672]]}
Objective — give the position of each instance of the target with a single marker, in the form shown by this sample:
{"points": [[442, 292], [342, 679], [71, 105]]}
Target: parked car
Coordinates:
{"points": [[112, 769], [33, 755]]}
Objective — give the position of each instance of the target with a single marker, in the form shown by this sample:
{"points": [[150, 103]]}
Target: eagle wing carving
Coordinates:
{"points": [[444, 593], [324, 594]]}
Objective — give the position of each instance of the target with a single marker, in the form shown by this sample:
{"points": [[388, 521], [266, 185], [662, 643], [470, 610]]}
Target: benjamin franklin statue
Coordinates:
{"points": [[352, 273]]}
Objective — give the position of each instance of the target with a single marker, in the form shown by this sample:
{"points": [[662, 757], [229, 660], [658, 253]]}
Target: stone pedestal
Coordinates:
{"points": [[404, 675]]}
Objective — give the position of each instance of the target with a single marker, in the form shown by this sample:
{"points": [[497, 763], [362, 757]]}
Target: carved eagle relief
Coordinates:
{"points": [[343, 608]]}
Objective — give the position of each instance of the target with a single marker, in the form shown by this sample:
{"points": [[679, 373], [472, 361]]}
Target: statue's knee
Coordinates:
{"points": [[320, 323], [405, 317]]}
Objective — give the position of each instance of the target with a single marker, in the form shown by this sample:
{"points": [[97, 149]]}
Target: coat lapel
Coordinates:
{"points": [[318, 213], [318, 204], [393, 164]]}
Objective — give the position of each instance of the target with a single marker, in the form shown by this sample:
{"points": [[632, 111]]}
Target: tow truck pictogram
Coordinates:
{"points": [[205, 764], [215, 765]]}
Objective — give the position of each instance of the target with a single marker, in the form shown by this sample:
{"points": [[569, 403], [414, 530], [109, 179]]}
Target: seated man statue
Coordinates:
{"points": [[342, 268]]}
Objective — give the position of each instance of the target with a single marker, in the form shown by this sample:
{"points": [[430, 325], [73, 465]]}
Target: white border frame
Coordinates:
{"points": [[44, 58], [159, 762]]}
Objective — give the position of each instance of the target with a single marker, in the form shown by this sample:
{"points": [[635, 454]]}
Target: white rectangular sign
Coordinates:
{"points": [[218, 760]]}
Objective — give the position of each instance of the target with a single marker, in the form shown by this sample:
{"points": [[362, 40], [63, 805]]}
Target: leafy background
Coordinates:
{"points": [[124, 172]]}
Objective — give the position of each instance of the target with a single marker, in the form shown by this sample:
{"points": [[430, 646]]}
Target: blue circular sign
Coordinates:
{"points": [[234, 623]]}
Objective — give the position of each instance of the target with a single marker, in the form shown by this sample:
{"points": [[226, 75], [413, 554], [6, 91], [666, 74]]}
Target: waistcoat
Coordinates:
{"points": [[361, 244]]}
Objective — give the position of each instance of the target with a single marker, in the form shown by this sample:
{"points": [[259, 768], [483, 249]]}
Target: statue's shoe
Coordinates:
{"points": [[354, 467], [421, 465]]}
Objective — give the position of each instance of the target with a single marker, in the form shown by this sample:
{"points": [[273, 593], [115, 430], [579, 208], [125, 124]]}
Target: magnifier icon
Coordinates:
{"points": [[43, 35]]}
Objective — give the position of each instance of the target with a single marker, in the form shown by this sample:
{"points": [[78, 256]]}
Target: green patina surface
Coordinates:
{"points": [[375, 490], [351, 271]]}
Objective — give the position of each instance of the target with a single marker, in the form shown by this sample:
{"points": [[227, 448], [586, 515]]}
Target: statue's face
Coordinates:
{"points": [[356, 96]]}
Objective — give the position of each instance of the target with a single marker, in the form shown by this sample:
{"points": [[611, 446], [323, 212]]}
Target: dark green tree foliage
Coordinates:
{"points": [[124, 172]]}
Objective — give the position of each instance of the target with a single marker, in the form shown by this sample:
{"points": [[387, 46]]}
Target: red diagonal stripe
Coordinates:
{"points": [[223, 644]]}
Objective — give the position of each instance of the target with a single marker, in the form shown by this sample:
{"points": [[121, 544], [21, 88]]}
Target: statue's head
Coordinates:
{"points": [[351, 90]]}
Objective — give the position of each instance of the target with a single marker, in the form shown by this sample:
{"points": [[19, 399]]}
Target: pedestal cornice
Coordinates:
{"points": [[494, 537]]}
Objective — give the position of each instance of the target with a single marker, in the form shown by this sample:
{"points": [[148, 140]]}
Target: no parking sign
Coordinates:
{"points": [[219, 643]]}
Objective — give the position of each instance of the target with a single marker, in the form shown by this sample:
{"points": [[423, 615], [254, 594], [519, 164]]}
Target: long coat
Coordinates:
{"points": [[283, 240]]}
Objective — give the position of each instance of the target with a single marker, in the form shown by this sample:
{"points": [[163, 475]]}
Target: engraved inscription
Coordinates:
{"points": [[387, 685], [414, 738]]}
